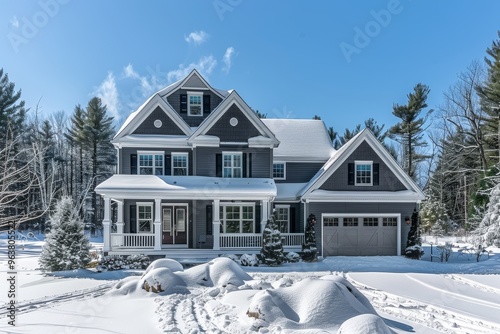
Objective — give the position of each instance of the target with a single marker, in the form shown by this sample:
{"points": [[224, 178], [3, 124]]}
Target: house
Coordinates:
{"points": [[199, 173]]}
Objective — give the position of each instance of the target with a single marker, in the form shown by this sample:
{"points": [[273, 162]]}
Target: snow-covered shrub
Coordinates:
{"points": [[488, 231], [162, 280], [117, 262], [364, 323], [445, 251], [271, 252], [233, 257], [249, 260], [292, 257], [309, 248], [66, 246], [414, 252]]}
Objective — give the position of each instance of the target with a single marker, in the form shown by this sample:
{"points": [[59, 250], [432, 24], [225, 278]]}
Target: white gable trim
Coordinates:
{"points": [[234, 99], [344, 152], [143, 113], [181, 85]]}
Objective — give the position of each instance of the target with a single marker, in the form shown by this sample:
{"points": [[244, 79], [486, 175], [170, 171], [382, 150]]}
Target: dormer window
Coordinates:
{"points": [[195, 104], [363, 172]]}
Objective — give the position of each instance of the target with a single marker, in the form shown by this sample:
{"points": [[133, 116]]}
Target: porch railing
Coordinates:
{"points": [[250, 240], [132, 240]]}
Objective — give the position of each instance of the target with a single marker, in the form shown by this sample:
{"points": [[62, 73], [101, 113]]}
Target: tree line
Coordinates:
{"points": [[452, 152]]}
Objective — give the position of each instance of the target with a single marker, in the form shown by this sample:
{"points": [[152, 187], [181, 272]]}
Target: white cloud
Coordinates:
{"points": [[108, 93], [196, 37], [205, 66], [227, 59], [14, 22], [129, 72]]}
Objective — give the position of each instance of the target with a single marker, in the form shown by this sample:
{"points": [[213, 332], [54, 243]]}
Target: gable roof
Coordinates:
{"points": [[345, 151], [138, 116], [220, 110], [301, 140], [187, 83]]}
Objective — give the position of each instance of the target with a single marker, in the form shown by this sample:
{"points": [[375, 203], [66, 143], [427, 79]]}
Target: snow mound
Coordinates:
{"points": [[355, 292], [165, 263], [364, 323], [220, 272], [162, 280], [310, 303]]}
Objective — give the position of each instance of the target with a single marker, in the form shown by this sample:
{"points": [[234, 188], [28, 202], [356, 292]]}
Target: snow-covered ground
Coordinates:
{"points": [[337, 295]]}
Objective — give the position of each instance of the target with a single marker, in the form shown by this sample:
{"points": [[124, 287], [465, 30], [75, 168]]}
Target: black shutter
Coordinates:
{"points": [[375, 174], [244, 162], [257, 219], [184, 104], [133, 164], [293, 228], [350, 174], [218, 165], [168, 164], [249, 159], [206, 104], [133, 219], [209, 220]]}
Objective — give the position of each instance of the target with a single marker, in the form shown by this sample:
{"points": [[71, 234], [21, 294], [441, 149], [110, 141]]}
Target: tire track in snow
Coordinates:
{"points": [[52, 301], [431, 316], [472, 283]]}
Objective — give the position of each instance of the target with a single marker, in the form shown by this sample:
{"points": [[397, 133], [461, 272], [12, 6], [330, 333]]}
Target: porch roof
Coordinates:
{"points": [[187, 187]]}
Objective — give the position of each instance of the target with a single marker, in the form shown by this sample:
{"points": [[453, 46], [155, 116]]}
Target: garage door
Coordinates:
{"points": [[349, 235]]}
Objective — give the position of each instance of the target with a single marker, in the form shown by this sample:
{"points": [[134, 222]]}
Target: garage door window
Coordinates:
{"points": [[350, 221], [390, 221], [330, 221], [370, 221]]}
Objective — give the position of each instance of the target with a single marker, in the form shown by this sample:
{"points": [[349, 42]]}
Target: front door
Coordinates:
{"points": [[175, 223]]}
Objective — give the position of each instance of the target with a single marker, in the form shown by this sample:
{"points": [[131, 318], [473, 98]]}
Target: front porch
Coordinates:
{"points": [[145, 243]]}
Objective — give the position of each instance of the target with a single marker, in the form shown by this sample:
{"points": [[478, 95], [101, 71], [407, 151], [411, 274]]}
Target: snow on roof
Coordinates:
{"points": [[300, 139], [187, 187], [289, 191], [154, 141], [369, 196]]}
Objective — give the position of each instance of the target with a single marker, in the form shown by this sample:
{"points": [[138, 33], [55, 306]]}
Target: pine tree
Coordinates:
{"points": [[409, 132], [489, 228], [309, 249], [12, 110], [66, 246], [413, 243], [271, 252]]}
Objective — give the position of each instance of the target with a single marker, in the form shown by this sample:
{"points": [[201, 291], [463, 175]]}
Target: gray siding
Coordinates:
{"points": [[387, 180], [405, 209], [239, 133], [168, 126], [127, 151], [175, 101], [260, 165], [200, 211], [297, 172], [194, 82]]}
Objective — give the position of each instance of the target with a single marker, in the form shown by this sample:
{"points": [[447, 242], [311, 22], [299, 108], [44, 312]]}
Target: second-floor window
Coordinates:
{"points": [[151, 163], [363, 171], [179, 164], [195, 104], [279, 170], [232, 164]]}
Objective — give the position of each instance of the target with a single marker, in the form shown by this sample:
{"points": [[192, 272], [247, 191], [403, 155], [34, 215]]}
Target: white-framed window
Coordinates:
{"points": [[279, 170], [232, 164], [283, 218], [350, 221], [151, 163], [370, 221], [331, 221], [363, 173], [180, 164], [237, 217], [195, 104], [390, 221], [144, 217]]}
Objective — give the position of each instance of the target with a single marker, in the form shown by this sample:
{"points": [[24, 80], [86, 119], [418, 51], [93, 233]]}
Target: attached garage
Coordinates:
{"points": [[361, 234]]}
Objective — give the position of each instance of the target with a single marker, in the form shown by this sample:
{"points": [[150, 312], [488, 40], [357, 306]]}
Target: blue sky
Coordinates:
{"points": [[345, 61]]}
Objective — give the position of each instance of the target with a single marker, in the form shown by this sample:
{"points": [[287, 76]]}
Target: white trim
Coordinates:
{"points": [[233, 168], [364, 215], [241, 220], [153, 167], [284, 170], [186, 154], [282, 206], [174, 215]]}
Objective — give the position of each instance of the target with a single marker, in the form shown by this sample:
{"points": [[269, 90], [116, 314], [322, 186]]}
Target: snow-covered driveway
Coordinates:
{"points": [[447, 302]]}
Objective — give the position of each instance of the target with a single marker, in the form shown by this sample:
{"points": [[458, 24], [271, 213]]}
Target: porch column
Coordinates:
{"points": [[106, 224], [216, 223], [157, 224], [264, 214], [119, 219]]}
